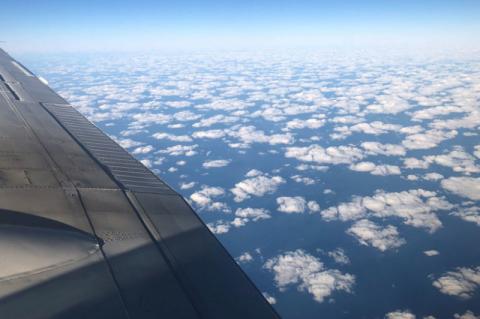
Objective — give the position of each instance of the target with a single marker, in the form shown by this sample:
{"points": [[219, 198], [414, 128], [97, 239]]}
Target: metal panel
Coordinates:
{"points": [[113, 157], [203, 266], [148, 286]]}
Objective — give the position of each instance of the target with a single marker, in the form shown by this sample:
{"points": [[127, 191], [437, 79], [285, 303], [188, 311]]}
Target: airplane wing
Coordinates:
{"points": [[87, 231]]}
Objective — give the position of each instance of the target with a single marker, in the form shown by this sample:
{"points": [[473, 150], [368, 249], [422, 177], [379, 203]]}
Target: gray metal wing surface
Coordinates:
{"points": [[87, 231]]}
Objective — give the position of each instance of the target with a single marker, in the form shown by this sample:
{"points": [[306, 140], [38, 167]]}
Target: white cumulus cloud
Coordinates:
{"points": [[370, 234], [258, 185], [462, 282], [468, 187], [308, 273]]}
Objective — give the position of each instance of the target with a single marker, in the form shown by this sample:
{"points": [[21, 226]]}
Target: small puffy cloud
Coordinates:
{"points": [[431, 253], [178, 150], [271, 300], [374, 128], [308, 273], [427, 140], [416, 207], [433, 176], [388, 104], [245, 215], [204, 199], [313, 206], [467, 315], [470, 214], [249, 135], [476, 151], [216, 119], [128, 143], [432, 112], [253, 213], [295, 205], [219, 227], [458, 160], [370, 234], [244, 258], [187, 185], [178, 104], [468, 187], [216, 163], [302, 179], [460, 283], [375, 148], [415, 163], [211, 134], [143, 150], [146, 162], [253, 173], [171, 137], [400, 314], [339, 256], [330, 155], [363, 166], [291, 205], [186, 116], [258, 185], [312, 123], [141, 120], [381, 170]]}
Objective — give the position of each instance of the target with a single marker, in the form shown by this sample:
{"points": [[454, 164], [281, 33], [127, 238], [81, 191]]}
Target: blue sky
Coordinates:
{"points": [[151, 25]]}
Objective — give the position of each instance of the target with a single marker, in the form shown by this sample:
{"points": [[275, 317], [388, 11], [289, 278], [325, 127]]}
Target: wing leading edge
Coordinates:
{"points": [[86, 231]]}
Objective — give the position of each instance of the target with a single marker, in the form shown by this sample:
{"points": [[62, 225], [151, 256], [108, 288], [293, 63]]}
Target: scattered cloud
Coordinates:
{"points": [[460, 283], [171, 137], [244, 258], [257, 185], [458, 160], [187, 185], [246, 215], [415, 163], [128, 143], [143, 150], [428, 139], [370, 234], [329, 155], [415, 207], [400, 314], [312, 123], [339, 256], [431, 253], [295, 205], [179, 150], [211, 134], [215, 163], [204, 199], [219, 227], [469, 214], [308, 273], [388, 104], [468, 187], [302, 179], [376, 148], [467, 315], [249, 135], [372, 168], [271, 300]]}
